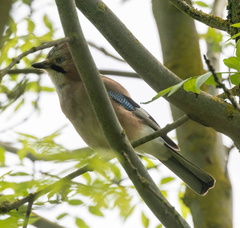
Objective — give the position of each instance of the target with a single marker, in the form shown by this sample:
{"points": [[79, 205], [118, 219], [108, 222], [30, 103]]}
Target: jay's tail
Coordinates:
{"points": [[197, 179]]}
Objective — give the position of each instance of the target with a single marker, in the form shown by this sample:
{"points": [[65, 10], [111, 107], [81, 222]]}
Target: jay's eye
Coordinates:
{"points": [[59, 59]]}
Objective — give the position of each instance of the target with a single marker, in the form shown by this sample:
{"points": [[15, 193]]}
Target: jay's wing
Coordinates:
{"points": [[130, 105], [194, 177]]}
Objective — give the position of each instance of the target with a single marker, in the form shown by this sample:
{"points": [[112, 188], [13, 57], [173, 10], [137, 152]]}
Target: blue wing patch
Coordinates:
{"points": [[124, 101]]}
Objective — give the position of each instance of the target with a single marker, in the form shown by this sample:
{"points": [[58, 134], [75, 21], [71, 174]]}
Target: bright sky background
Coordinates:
{"points": [[137, 16]]}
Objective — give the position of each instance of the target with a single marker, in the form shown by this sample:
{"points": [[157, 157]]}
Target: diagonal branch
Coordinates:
{"points": [[207, 19], [161, 132], [104, 51]]}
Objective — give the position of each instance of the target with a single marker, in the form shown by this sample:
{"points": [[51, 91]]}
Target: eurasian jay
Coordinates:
{"points": [[136, 122]]}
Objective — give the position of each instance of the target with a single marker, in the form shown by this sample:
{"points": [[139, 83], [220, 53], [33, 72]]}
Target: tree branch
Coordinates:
{"points": [[28, 212], [108, 120], [44, 223], [235, 91], [32, 50], [67, 155], [161, 132], [106, 72], [209, 20], [104, 51]]}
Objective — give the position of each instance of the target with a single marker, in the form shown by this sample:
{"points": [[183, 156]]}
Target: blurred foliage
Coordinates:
{"points": [[106, 188], [20, 35]]}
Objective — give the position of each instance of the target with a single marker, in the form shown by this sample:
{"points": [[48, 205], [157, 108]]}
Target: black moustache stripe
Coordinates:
{"points": [[57, 68]]}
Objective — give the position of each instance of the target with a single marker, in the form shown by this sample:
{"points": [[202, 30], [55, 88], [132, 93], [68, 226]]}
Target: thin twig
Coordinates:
{"points": [[26, 71], [161, 132], [32, 50], [221, 85], [235, 91], [106, 72], [210, 20], [28, 212], [104, 51]]}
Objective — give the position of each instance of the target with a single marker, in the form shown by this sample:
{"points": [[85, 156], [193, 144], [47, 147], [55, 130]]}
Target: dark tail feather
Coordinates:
{"points": [[197, 179]]}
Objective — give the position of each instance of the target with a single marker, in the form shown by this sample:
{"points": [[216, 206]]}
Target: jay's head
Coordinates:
{"points": [[59, 64]]}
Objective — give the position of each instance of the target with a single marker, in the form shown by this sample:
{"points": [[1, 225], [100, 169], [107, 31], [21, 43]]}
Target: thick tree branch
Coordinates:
{"points": [[109, 123], [204, 109], [210, 20]]}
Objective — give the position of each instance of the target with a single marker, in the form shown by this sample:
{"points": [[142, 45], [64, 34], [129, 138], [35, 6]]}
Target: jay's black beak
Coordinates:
{"points": [[41, 65]]}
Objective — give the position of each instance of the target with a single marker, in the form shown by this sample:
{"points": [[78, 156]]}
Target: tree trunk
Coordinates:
{"points": [[202, 145]]}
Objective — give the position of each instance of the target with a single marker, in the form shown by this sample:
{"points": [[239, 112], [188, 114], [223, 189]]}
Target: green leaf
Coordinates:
{"points": [[233, 37], [81, 223], [190, 86], [47, 22], [159, 226], [87, 177], [75, 202], [232, 62], [62, 216], [235, 79], [20, 174], [175, 88], [200, 3], [9, 222], [167, 180], [27, 136], [236, 25], [202, 79], [170, 90], [95, 210], [30, 26], [2, 156], [185, 211], [19, 105], [238, 49], [160, 94], [211, 80], [47, 89], [145, 220]]}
